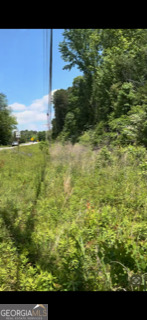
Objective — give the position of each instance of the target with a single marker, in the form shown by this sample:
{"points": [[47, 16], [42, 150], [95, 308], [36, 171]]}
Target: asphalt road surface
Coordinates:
{"points": [[22, 144]]}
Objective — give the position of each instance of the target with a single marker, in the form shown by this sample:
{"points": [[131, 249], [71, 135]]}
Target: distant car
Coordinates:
{"points": [[14, 143]]}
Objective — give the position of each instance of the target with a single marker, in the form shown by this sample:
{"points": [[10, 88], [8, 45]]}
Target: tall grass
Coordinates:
{"points": [[88, 227]]}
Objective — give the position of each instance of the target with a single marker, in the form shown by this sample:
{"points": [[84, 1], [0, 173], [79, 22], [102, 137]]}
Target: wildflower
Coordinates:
{"points": [[88, 205]]}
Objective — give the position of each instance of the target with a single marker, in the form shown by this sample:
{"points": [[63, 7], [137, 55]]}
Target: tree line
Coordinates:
{"points": [[108, 103], [27, 135]]}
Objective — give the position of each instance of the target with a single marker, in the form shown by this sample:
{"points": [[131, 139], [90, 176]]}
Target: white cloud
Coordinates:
{"points": [[25, 116], [39, 104], [32, 116], [17, 106], [29, 116]]}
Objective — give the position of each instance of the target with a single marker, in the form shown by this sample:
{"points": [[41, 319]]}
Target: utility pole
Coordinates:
{"points": [[50, 86]]}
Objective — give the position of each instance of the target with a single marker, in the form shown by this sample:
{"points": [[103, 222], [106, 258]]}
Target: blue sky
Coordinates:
{"points": [[24, 77]]}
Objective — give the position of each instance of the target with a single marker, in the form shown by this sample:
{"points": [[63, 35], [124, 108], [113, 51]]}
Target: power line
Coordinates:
{"points": [[50, 82], [49, 111], [47, 74], [45, 60]]}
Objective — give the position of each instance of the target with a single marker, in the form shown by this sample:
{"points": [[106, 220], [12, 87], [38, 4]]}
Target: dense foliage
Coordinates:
{"points": [[7, 121], [110, 98], [74, 219]]}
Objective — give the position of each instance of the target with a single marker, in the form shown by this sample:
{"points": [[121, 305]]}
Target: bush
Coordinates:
{"points": [[104, 157], [87, 138], [44, 146]]}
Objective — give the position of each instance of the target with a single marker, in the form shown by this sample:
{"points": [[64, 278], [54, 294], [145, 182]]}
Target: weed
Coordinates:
{"points": [[72, 218]]}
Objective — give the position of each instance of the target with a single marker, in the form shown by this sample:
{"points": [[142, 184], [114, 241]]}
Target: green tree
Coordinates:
{"points": [[113, 62], [81, 47], [41, 135], [78, 103], [70, 130], [60, 101], [7, 121], [123, 97]]}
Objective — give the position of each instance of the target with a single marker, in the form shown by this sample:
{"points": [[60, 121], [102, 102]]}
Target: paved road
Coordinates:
{"points": [[22, 144]]}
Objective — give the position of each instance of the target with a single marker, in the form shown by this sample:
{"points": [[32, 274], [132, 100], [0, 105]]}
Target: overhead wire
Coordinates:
{"points": [[47, 59], [44, 61], [49, 113]]}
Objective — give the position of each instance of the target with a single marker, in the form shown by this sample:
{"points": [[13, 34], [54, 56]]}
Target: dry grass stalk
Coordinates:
{"points": [[67, 184]]}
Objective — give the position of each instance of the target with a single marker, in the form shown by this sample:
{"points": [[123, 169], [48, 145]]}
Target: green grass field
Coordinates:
{"points": [[72, 218]]}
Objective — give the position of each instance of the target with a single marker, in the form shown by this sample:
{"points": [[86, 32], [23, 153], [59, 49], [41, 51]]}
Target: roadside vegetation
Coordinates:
{"points": [[72, 219]]}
